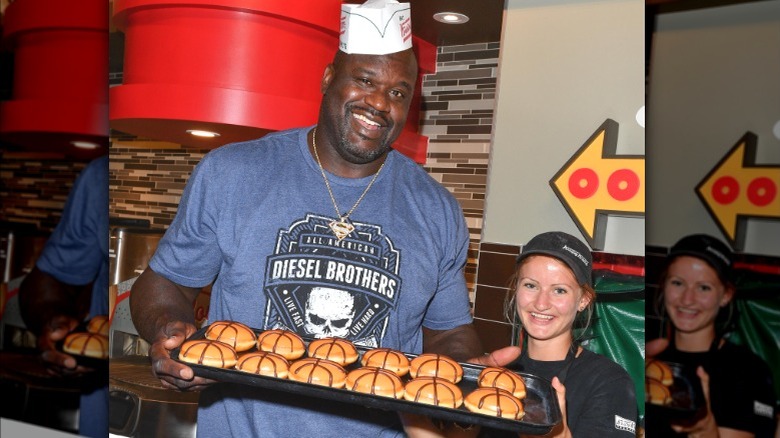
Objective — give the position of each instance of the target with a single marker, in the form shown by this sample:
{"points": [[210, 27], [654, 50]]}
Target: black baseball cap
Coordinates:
{"points": [[564, 247], [710, 249]]}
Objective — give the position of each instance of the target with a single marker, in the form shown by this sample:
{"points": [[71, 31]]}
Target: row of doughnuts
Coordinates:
{"points": [[433, 377], [658, 382]]}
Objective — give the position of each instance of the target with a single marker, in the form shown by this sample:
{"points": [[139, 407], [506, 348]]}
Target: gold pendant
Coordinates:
{"points": [[341, 228]]}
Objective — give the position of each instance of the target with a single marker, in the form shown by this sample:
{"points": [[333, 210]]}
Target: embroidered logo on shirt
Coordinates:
{"points": [[320, 286], [625, 424], [762, 409]]}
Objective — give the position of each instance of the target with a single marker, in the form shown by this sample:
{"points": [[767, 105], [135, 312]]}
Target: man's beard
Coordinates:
{"points": [[361, 156]]}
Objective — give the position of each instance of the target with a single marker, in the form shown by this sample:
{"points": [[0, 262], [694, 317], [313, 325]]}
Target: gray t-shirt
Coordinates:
{"points": [[255, 215]]}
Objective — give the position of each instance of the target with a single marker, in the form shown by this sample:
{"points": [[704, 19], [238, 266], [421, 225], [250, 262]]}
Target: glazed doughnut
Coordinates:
{"points": [[339, 350], [98, 324], [235, 334], [660, 371], [376, 381], [318, 372], [283, 342], [495, 402], [436, 365], [264, 363], [387, 358], [657, 393], [434, 391], [207, 352], [496, 377], [86, 344]]}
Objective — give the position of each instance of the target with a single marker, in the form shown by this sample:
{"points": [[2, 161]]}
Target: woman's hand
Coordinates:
{"points": [[562, 430], [706, 427]]}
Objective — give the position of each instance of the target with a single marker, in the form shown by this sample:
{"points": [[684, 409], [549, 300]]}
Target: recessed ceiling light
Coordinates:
{"points": [[201, 133], [84, 144], [451, 17]]}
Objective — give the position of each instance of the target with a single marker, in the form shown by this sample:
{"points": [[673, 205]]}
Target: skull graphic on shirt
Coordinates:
{"points": [[329, 312]]}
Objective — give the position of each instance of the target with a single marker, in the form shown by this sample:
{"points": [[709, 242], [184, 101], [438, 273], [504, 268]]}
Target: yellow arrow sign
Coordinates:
{"points": [[596, 183], [736, 189]]}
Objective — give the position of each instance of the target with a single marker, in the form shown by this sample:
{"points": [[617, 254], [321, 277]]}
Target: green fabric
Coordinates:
{"points": [[618, 327]]}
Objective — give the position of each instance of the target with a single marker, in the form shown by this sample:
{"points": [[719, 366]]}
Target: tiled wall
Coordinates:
{"points": [[34, 188], [458, 107], [146, 179], [496, 265]]}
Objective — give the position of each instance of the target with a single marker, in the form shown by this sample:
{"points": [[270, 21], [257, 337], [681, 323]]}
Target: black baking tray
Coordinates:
{"points": [[687, 405], [542, 412], [93, 363]]}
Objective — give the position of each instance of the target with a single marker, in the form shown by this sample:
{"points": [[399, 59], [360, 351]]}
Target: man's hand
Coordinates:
{"points": [[163, 315], [51, 310], [172, 374], [655, 347], [498, 358], [58, 363]]}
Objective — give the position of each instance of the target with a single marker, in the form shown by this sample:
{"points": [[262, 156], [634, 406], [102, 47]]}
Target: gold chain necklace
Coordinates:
{"points": [[341, 228]]}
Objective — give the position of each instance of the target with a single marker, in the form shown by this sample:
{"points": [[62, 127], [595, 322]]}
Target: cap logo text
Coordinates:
{"points": [[576, 254], [719, 255]]}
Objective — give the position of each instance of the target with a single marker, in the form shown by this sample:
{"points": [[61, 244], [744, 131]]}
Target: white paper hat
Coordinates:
{"points": [[377, 27]]}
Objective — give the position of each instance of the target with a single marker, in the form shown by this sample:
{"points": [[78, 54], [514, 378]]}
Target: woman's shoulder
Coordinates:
{"points": [[599, 365], [740, 357]]}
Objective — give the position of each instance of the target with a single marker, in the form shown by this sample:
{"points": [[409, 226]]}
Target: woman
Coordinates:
{"points": [[552, 290], [696, 287]]}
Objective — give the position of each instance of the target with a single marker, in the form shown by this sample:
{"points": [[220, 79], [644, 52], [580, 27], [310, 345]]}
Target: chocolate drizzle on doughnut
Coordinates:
{"points": [[493, 396], [436, 365], [495, 377], [338, 350], [376, 381], [89, 338], [283, 342], [208, 348], [261, 360], [227, 332], [388, 359], [318, 372], [314, 366], [98, 324], [431, 388]]}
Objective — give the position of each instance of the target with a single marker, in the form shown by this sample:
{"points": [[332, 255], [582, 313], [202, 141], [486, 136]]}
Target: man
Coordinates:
{"points": [[316, 230], [70, 282]]}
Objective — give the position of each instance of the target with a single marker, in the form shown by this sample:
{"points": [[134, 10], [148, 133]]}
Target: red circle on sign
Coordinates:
{"points": [[623, 184], [725, 190], [761, 191], [583, 183]]}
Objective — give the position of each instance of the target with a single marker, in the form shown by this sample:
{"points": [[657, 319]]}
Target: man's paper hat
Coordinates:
{"points": [[377, 27]]}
